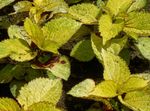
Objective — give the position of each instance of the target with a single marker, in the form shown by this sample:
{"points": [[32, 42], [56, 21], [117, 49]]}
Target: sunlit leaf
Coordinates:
{"points": [[39, 90], [143, 45], [82, 89], [85, 12], [105, 89], [137, 5], [7, 104], [117, 6], [115, 68], [82, 51], [137, 23], [4, 3], [108, 29], [22, 6], [43, 106]]}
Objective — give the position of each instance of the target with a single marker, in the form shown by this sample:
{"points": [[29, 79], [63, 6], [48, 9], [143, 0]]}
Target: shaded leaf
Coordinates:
{"points": [[85, 12], [119, 6], [39, 90], [108, 29], [4, 3], [43, 106], [7, 104], [82, 89], [115, 68], [82, 51], [143, 45], [106, 89]]}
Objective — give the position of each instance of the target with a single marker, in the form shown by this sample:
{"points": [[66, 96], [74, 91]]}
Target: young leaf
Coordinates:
{"points": [[39, 90], [82, 51], [22, 6], [97, 45], [137, 23], [108, 29], [106, 89], [143, 45], [4, 3], [137, 100], [85, 12], [43, 106], [7, 104], [115, 68], [118, 6], [137, 5], [133, 83], [83, 89]]}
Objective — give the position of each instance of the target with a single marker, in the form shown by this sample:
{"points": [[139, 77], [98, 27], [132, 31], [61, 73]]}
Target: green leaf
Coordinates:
{"points": [[133, 83], [43, 106], [51, 5], [85, 12], [22, 6], [137, 100], [16, 49], [143, 45], [97, 46], [15, 31], [118, 6], [137, 5], [39, 90], [145, 76], [15, 86], [106, 89], [82, 51], [108, 29], [83, 89], [116, 45], [7, 104], [115, 68], [60, 30], [137, 23], [4, 3]]}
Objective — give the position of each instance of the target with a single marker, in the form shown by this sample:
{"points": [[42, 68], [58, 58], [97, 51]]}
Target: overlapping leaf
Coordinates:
{"points": [[7, 104], [108, 29], [39, 90], [82, 51], [85, 12], [4, 3]]}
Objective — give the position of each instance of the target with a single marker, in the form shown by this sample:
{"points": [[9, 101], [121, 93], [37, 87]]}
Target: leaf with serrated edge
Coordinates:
{"points": [[133, 83], [82, 51], [4, 3], [117, 6], [115, 68], [97, 45], [107, 89], [143, 46], [43, 106], [7, 104], [38, 90], [137, 23], [82, 89], [85, 12], [108, 29], [137, 5]]}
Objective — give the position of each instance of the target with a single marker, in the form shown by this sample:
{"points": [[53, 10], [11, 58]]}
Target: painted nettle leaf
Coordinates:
{"points": [[4, 3]]}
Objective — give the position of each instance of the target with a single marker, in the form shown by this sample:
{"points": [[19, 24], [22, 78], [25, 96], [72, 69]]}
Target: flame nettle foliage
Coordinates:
{"points": [[105, 29]]}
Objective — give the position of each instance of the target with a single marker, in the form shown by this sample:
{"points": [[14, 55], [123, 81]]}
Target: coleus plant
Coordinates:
{"points": [[99, 28]]}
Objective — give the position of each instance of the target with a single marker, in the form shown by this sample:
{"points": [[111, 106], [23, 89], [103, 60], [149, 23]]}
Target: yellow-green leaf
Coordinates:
{"points": [[82, 89], [115, 68], [39, 90], [106, 89], [4, 3], [108, 29], [87, 13], [118, 6], [7, 104], [82, 51]]}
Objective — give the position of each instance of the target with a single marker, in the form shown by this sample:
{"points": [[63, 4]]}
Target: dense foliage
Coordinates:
{"points": [[39, 32]]}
